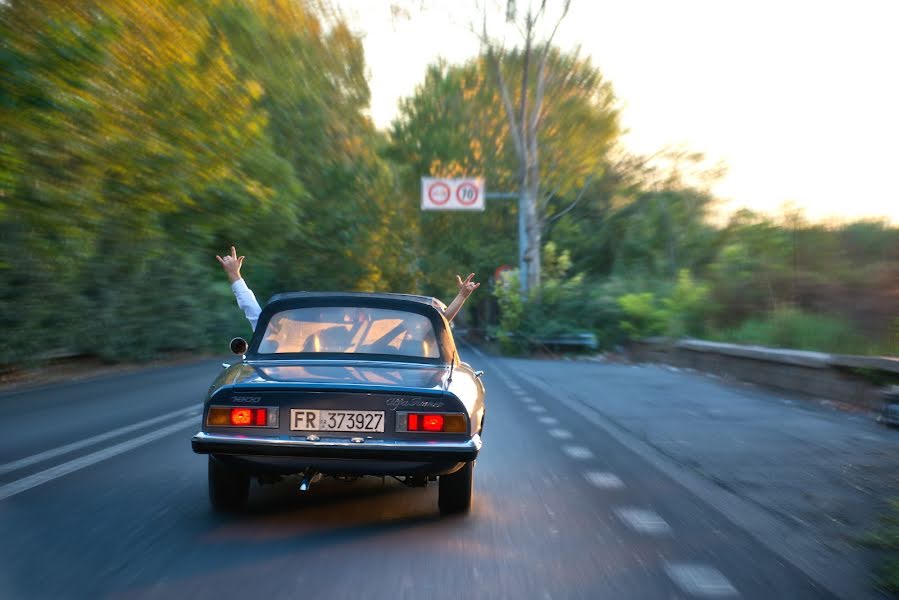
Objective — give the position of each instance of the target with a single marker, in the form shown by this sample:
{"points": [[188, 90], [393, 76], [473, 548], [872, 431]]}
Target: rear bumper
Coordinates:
{"points": [[333, 448]]}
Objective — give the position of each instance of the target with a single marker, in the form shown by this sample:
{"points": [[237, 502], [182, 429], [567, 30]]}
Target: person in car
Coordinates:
{"points": [[247, 302]]}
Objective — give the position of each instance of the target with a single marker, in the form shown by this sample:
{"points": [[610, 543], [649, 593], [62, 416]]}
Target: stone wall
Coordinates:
{"points": [[817, 374]]}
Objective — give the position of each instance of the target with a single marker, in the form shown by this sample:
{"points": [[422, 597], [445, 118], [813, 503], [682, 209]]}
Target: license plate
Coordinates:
{"points": [[302, 419]]}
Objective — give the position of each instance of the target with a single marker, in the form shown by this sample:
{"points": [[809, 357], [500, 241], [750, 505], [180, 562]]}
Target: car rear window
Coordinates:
{"points": [[350, 330]]}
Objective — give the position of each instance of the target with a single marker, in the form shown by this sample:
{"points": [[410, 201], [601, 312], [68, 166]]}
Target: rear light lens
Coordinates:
{"points": [[431, 422], [243, 416], [230, 416]]}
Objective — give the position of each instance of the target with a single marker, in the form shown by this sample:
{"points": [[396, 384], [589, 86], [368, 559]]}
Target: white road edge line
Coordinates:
{"points": [[26, 483], [54, 452]]}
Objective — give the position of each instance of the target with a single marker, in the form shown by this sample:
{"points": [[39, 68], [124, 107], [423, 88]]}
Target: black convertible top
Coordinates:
{"points": [[428, 300]]}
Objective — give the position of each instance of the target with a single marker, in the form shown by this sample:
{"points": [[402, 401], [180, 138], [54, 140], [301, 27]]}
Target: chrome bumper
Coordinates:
{"points": [[390, 450]]}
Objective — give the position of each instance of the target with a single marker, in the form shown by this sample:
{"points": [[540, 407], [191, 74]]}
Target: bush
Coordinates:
{"points": [[642, 317], [678, 314], [616, 310], [887, 539], [792, 328], [559, 307], [686, 307]]}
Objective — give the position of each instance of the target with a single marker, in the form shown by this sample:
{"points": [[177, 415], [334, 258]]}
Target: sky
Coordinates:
{"points": [[799, 99]]}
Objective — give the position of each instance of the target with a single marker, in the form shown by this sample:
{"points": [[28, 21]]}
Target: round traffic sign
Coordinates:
{"points": [[467, 194], [439, 193]]}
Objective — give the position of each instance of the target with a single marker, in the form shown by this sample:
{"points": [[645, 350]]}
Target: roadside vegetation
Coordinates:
{"points": [[886, 538], [138, 140]]}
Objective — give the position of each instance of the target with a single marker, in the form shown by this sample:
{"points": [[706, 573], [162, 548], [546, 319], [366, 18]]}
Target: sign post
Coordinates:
{"points": [[469, 194], [452, 194]]}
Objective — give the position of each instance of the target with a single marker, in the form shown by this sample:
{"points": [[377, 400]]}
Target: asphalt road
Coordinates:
{"points": [[101, 497]]}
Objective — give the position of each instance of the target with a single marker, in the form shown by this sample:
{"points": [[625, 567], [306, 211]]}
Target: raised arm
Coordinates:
{"points": [[246, 300], [465, 289]]}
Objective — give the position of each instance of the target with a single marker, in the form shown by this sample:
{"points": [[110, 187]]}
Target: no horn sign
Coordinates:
{"points": [[452, 194]]}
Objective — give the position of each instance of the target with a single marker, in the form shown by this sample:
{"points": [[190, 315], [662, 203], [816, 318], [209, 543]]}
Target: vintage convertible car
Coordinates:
{"points": [[345, 385]]}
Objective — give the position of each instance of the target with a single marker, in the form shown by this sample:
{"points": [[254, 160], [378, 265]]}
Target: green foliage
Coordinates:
{"points": [[563, 304], [685, 308], [887, 538], [793, 328], [454, 124], [139, 140], [512, 311], [642, 315], [679, 314]]}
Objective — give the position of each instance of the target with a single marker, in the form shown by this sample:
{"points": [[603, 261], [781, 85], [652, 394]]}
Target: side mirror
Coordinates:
{"points": [[239, 345]]}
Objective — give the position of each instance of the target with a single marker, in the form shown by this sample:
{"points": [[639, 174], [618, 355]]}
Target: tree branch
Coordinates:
{"points": [[507, 102], [525, 72], [549, 40], [544, 202], [537, 114], [571, 206]]}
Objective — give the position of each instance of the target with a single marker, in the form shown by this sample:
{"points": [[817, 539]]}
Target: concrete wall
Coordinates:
{"points": [[817, 374]]}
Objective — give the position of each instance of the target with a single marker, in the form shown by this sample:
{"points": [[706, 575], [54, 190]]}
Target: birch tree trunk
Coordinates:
{"points": [[524, 125]]}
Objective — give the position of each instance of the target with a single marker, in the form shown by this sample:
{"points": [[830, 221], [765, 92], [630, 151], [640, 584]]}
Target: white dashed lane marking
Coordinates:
{"points": [[560, 434], [643, 521], [605, 481], [527, 399], [536, 408], [578, 452], [700, 580], [549, 420]]}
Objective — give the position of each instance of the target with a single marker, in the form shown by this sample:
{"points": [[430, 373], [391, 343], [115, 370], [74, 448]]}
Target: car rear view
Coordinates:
{"points": [[345, 385]]}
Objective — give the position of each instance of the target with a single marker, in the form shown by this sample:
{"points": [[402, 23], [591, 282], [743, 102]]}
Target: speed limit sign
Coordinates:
{"points": [[452, 194], [467, 194]]}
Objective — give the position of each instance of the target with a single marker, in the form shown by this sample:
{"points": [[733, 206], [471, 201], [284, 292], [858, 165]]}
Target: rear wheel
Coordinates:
{"points": [[454, 495], [228, 487]]}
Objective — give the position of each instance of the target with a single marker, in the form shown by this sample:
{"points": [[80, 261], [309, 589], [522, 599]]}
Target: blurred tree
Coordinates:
{"points": [[137, 140], [533, 72], [454, 125]]}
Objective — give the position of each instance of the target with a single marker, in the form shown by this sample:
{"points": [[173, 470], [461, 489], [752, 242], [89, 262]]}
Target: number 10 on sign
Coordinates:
{"points": [[452, 194]]}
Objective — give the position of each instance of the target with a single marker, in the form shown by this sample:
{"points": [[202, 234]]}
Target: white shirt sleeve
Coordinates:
{"points": [[246, 300]]}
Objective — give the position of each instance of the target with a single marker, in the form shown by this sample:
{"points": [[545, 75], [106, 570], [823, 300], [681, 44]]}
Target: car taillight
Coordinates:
{"points": [[431, 423], [228, 416], [247, 417]]}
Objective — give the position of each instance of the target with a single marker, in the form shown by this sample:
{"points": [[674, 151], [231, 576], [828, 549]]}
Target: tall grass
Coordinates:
{"points": [[792, 328]]}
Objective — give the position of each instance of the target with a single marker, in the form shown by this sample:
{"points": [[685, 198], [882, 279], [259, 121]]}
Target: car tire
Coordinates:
{"points": [[454, 493], [228, 488]]}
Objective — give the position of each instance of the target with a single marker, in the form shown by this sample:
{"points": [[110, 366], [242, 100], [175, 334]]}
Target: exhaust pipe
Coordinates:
{"points": [[309, 477]]}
